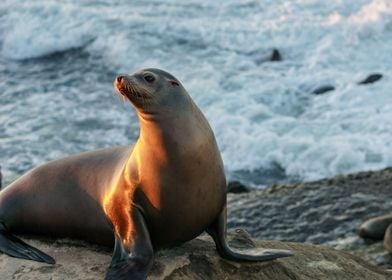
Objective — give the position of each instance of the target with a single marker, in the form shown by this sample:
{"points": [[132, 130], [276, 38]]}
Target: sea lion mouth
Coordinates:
{"points": [[128, 89]]}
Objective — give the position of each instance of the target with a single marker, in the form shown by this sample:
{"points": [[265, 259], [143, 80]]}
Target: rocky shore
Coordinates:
{"points": [[197, 260], [327, 212]]}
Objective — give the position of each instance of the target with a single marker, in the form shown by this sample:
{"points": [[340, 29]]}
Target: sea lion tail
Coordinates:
{"points": [[248, 254], [14, 247], [217, 230]]}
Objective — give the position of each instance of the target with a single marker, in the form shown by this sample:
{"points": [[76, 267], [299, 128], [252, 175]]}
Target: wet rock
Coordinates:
{"points": [[276, 56], [371, 79], [198, 259], [237, 187], [323, 89]]}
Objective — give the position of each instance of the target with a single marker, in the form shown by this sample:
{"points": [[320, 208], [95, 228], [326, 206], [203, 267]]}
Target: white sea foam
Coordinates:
{"points": [[36, 30], [263, 113]]}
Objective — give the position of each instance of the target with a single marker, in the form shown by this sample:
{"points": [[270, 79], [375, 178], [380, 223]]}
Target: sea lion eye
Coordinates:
{"points": [[174, 83], [149, 78]]}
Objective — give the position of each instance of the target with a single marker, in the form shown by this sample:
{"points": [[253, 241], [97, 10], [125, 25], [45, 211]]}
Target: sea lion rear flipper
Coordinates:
{"points": [[14, 247], [217, 230], [132, 260]]}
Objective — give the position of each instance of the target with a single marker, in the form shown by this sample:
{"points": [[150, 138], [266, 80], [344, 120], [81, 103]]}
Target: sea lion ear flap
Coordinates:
{"points": [[174, 83]]}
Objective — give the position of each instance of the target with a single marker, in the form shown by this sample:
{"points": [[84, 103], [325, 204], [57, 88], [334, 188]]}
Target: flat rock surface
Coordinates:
{"points": [[326, 212], [197, 260]]}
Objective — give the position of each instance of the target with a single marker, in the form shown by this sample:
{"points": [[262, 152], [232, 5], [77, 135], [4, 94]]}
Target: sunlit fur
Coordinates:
{"points": [[118, 204]]}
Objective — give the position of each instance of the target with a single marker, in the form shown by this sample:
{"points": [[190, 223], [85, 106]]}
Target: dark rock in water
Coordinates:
{"points": [[276, 56], [323, 89], [237, 187], [371, 79], [198, 259], [262, 58]]}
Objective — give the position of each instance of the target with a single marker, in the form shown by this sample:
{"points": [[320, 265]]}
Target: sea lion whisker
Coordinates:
{"points": [[120, 96]]}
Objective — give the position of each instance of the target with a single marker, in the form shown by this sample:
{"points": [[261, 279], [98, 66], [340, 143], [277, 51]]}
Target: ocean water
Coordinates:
{"points": [[58, 60]]}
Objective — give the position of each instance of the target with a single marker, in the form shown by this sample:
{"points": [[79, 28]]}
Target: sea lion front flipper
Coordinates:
{"points": [[217, 230], [133, 255], [14, 247]]}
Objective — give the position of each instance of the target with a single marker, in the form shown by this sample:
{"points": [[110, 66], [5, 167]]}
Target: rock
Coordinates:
{"points": [[323, 89], [276, 56], [198, 259], [236, 187], [262, 58], [371, 79], [375, 253]]}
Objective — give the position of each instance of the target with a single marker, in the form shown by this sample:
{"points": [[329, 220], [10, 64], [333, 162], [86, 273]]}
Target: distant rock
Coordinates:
{"points": [[323, 89], [276, 56], [371, 79], [261, 58], [198, 259], [236, 187]]}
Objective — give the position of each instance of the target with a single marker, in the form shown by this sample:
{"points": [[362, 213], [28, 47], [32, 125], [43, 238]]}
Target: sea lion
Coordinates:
{"points": [[164, 190], [375, 228], [378, 228]]}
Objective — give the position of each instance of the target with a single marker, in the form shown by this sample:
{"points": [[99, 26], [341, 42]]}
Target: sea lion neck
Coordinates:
{"points": [[179, 130]]}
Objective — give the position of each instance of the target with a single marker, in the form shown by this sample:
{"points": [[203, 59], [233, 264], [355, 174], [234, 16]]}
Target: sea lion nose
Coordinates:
{"points": [[119, 79]]}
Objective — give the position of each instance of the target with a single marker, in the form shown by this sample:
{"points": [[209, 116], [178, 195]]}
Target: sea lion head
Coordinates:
{"points": [[152, 91]]}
